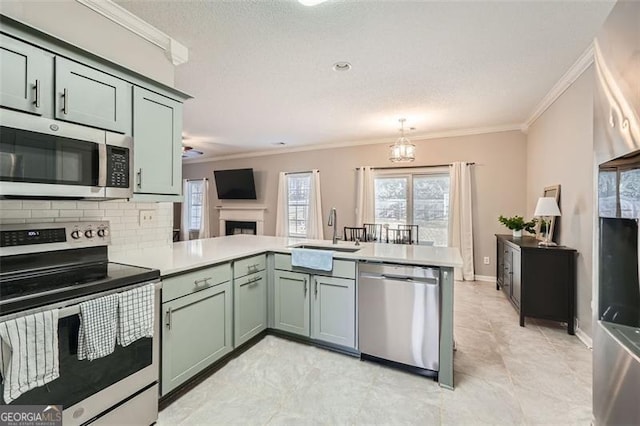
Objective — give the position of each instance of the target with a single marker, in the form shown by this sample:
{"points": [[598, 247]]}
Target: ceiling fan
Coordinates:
{"points": [[189, 152]]}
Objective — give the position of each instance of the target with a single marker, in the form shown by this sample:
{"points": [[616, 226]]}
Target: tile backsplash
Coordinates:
{"points": [[127, 233]]}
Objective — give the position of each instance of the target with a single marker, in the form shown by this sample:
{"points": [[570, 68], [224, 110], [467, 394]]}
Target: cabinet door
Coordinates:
{"points": [[500, 263], [333, 310], [157, 135], [515, 277], [506, 270], [291, 304], [90, 97], [25, 76], [196, 332], [250, 306]]}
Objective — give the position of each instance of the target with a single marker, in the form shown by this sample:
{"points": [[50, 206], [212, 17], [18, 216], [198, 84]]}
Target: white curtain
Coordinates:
{"points": [[205, 229], [184, 222], [282, 207], [315, 230], [461, 218], [365, 196]]}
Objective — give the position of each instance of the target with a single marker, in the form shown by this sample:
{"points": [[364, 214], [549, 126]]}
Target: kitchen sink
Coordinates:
{"points": [[330, 248]]}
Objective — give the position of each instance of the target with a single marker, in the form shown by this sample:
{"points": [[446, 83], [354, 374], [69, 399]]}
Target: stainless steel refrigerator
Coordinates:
{"points": [[616, 339]]}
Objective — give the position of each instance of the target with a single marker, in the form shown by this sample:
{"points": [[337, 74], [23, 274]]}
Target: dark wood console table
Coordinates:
{"points": [[540, 282]]}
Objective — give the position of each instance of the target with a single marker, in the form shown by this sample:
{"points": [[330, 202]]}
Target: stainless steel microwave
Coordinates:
{"points": [[44, 158]]}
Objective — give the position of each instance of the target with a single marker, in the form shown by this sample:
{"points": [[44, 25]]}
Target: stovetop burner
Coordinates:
{"points": [[32, 279], [32, 289]]}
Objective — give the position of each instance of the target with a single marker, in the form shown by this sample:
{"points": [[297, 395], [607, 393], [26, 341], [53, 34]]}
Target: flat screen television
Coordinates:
{"points": [[235, 184]]}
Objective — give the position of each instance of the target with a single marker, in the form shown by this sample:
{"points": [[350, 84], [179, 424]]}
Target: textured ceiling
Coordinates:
{"points": [[261, 72]]}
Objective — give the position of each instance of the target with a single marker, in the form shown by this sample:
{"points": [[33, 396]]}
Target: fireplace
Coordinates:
{"points": [[235, 227], [242, 215]]}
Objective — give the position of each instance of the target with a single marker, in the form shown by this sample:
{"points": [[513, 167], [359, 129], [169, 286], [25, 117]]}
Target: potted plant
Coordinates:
{"points": [[517, 224]]}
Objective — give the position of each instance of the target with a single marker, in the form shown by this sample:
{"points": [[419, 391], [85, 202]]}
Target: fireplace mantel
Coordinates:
{"points": [[243, 213]]}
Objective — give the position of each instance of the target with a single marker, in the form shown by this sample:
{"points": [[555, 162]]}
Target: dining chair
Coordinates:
{"points": [[373, 231], [399, 236], [351, 233], [414, 232]]}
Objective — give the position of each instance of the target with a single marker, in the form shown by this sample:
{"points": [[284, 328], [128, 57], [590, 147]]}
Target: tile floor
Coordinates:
{"points": [[504, 374]]}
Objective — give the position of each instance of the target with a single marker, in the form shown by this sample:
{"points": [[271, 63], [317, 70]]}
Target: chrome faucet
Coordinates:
{"points": [[333, 221]]}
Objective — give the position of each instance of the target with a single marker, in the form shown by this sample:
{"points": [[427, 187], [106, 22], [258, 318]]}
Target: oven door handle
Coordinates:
{"points": [[69, 311]]}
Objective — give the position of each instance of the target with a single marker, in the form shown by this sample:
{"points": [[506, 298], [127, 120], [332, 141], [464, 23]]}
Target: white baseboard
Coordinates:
{"points": [[486, 278], [584, 338]]}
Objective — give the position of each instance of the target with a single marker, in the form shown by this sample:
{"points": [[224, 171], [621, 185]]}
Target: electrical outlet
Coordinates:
{"points": [[486, 260], [146, 216]]}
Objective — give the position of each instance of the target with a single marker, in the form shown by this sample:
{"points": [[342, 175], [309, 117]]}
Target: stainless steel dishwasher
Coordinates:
{"points": [[399, 314]]}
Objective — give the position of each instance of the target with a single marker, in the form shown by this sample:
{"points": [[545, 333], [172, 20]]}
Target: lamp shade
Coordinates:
{"points": [[547, 206]]}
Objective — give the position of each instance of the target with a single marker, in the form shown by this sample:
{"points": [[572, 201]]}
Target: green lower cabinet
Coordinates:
{"points": [[333, 310], [291, 302], [250, 306], [196, 332], [323, 308]]}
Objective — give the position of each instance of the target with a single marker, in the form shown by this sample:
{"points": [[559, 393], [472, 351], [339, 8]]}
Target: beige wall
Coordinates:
{"points": [[498, 180], [82, 27], [559, 151]]}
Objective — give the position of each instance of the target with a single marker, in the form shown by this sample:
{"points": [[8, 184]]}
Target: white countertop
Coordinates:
{"points": [[186, 255]]}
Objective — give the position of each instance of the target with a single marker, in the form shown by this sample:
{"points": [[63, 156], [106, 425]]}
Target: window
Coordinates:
{"points": [[194, 202], [299, 186], [418, 199]]}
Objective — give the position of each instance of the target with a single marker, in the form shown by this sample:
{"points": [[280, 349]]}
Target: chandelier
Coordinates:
{"points": [[403, 150]]}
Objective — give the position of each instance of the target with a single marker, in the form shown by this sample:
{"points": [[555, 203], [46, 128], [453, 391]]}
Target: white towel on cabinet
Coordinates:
{"points": [[28, 353], [135, 313], [98, 325]]}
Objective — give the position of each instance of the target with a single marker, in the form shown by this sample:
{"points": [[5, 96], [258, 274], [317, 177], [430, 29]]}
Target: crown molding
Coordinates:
{"points": [[568, 78], [177, 53], [344, 144]]}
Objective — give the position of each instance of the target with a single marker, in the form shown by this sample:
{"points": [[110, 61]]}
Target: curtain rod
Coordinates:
{"points": [[412, 167], [193, 180], [299, 173]]}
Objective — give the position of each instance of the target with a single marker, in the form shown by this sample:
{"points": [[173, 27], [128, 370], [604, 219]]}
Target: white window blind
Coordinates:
{"points": [[194, 202]]}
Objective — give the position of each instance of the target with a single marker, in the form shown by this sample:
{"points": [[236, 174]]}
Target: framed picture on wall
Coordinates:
{"points": [[542, 227]]}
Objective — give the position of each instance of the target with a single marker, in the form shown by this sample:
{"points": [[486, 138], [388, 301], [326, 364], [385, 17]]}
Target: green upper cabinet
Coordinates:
{"points": [[291, 302], [157, 138], [333, 309], [87, 96], [26, 74]]}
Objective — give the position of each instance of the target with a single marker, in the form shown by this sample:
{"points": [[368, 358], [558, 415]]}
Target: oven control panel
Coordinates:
{"points": [[24, 238]]}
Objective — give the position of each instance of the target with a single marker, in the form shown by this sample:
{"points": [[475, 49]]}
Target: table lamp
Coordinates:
{"points": [[547, 207]]}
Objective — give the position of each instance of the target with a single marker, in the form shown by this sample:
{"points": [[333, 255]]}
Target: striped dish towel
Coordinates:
{"points": [[28, 353], [98, 325], [135, 314]]}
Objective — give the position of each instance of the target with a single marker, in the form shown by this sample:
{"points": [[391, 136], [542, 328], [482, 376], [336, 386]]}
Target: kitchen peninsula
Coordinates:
{"points": [[236, 287]]}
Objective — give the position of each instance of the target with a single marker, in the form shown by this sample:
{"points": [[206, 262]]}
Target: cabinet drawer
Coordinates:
{"points": [[192, 282], [250, 265], [341, 268]]}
